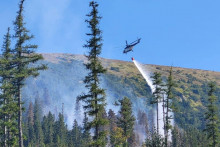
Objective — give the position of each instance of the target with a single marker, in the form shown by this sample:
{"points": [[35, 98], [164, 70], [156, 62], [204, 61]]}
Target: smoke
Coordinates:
{"points": [[63, 82], [59, 18], [146, 74]]}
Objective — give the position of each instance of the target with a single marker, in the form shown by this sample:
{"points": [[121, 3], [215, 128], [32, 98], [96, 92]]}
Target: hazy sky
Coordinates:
{"points": [[183, 33]]}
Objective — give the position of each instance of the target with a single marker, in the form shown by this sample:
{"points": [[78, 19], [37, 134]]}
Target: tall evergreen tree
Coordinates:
{"points": [[76, 134], [5, 60], [157, 94], [24, 55], [38, 133], [8, 105], [211, 116], [168, 105], [60, 132], [126, 119], [48, 129], [95, 98]]}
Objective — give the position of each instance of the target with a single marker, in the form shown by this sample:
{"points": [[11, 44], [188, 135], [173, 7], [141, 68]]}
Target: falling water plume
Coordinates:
{"points": [[146, 75]]}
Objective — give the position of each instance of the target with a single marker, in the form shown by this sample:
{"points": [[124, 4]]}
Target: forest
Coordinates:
{"points": [[24, 124]]}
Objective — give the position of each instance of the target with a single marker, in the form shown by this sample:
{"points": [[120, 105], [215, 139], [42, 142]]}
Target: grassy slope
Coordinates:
{"points": [[191, 93], [191, 90]]}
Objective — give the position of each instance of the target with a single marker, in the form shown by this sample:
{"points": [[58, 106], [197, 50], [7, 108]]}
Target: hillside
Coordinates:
{"points": [[62, 83]]}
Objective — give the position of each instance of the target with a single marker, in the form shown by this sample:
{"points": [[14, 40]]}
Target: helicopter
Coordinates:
{"points": [[129, 47]]}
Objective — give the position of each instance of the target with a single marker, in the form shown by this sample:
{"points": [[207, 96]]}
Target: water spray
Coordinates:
{"points": [[146, 74]]}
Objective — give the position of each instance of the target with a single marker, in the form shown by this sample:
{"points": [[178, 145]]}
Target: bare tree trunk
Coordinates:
{"points": [[5, 128], [20, 118], [96, 125], [8, 131], [165, 119], [157, 118]]}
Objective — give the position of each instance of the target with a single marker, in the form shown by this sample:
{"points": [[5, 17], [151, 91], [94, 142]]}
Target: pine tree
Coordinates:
{"points": [[76, 134], [116, 137], [211, 116], [5, 67], [24, 56], [38, 133], [168, 105], [112, 120], [155, 140], [30, 125], [60, 132], [8, 105], [126, 119], [157, 94], [95, 98], [48, 129], [85, 132]]}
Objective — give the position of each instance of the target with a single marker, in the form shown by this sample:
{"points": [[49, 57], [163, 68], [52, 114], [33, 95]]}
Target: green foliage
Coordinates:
{"points": [[155, 140], [190, 101], [19, 64], [23, 55], [117, 138], [212, 120], [157, 82], [48, 129], [60, 132], [126, 119], [24, 51], [76, 134], [86, 136], [169, 106], [38, 133], [157, 93], [8, 104], [188, 137], [95, 99], [30, 126]]}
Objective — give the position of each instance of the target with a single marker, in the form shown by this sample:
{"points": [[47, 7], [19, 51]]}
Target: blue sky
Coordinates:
{"points": [[184, 33]]}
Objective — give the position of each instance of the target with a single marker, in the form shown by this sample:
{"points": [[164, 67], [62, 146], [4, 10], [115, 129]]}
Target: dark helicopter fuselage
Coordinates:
{"points": [[129, 47]]}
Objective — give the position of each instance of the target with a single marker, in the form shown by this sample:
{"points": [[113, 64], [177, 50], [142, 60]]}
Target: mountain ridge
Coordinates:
{"points": [[63, 82], [82, 57]]}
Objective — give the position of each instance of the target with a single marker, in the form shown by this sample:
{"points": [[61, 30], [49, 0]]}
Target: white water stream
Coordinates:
{"points": [[146, 75]]}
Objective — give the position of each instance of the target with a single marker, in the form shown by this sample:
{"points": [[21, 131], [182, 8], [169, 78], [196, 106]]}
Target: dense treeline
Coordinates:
{"points": [[51, 131]]}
